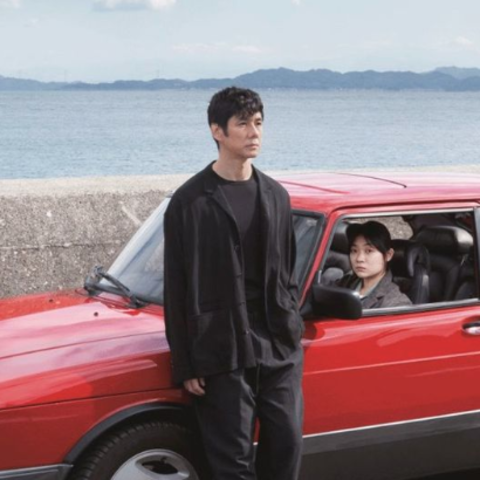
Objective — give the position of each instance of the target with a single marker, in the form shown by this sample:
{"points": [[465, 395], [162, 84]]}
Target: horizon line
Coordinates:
{"points": [[233, 77]]}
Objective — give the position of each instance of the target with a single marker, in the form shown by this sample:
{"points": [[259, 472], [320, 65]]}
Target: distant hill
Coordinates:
{"points": [[459, 73], [157, 84], [445, 78], [16, 84]]}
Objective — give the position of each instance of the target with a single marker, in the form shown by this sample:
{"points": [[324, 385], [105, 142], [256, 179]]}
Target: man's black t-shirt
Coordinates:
{"points": [[243, 198]]}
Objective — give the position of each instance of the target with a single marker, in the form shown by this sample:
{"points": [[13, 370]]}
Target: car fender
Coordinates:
{"points": [[173, 412]]}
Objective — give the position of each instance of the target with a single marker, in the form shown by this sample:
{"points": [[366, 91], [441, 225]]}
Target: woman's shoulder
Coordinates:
{"points": [[392, 295]]}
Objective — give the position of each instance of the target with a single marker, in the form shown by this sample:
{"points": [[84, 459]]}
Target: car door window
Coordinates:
{"points": [[434, 260]]}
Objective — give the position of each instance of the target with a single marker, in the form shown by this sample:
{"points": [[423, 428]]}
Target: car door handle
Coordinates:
{"points": [[472, 328]]}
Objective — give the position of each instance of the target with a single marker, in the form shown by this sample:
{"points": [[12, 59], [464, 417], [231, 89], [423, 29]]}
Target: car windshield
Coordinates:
{"points": [[140, 265]]}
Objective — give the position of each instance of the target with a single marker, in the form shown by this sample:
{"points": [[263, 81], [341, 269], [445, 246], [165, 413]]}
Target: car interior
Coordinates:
{"points": [[434, 258]]}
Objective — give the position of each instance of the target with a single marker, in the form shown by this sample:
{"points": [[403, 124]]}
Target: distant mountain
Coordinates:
{"points": [[7, 83], [459, 73], [327, 80], [157, 84], [445, 78]]}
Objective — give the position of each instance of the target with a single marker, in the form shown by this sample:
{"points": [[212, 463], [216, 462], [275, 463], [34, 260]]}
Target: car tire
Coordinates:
{"points": [[151, 449]]}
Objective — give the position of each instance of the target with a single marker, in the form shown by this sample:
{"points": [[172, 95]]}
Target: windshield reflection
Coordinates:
{"points": [[140, 265]]}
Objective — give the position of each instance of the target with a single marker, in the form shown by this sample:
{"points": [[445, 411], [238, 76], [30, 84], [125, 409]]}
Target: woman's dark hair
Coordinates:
{"points": [[375, 233], [231, 101]]}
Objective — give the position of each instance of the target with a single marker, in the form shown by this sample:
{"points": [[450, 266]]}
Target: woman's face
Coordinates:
{"points": [[367, 261]]}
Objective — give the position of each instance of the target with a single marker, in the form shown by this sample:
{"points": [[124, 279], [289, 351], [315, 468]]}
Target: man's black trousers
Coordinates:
{"points": [[270, 392]]}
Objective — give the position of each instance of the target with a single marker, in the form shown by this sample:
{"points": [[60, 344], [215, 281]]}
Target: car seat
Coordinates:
{"points": [[410, 267], [448, 247], [467, 284]]}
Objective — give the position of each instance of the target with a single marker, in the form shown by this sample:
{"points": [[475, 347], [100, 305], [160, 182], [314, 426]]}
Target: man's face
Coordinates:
{"points": [[243, 137]]}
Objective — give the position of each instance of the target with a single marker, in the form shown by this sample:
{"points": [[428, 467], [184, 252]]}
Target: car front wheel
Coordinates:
{"points": [[150, 450]]}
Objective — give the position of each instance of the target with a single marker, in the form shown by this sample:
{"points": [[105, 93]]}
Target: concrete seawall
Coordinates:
{"points": [[53, 231]]}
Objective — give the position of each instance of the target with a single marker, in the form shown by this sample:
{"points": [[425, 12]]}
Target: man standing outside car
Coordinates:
{"points": [[231, 305]]}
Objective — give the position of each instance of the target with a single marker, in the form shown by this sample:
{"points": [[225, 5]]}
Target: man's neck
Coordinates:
{"points": [[235, 170]]}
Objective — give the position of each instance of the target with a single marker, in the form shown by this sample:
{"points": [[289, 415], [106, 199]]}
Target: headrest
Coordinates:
{"points": [[340, 240], [445, 239], [407, 255]]}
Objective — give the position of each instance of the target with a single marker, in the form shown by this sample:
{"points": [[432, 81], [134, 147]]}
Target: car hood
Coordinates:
{"points": [[63, 346]]}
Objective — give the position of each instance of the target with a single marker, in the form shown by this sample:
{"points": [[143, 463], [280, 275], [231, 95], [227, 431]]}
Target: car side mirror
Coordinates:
{"points": [[333, 301]]}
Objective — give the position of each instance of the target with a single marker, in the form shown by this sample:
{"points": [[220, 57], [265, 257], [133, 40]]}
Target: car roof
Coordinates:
{"points": [[332, 190]]}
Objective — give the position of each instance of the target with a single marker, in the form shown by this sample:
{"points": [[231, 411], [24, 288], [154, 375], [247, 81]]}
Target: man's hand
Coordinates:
{"points": [[195, 386]]}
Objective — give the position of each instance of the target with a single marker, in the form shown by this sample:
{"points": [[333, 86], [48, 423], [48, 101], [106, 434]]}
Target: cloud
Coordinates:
{"points": [[133, 4], [248, 49], [220, 47], [463, 42], [460, 44], [377, 44], [297, 2], [199, 47], [9, 3], [32, 22]]}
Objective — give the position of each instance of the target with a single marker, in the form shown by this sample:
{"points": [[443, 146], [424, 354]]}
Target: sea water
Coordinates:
{"points": [[76, 133]]}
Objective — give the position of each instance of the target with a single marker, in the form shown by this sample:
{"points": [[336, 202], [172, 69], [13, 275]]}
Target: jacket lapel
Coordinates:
{"points": [[379, 292], [213, 189]]}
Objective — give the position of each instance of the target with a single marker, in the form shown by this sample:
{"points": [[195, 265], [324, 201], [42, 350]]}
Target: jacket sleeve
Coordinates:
{"points": [[175, 293]]}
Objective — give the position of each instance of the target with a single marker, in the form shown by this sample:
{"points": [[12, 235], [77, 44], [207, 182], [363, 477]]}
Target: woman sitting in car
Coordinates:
{"points": [[370, 252]]}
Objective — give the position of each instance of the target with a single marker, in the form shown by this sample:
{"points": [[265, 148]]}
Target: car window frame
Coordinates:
{"points": [[401, 310], [318, 236]]}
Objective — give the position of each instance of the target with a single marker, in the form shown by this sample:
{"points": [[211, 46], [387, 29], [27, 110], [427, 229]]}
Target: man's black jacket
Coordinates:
{"points": [[205, 310]]}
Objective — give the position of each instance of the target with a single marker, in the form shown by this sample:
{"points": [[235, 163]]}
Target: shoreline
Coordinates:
{"points": [[143, 183]]}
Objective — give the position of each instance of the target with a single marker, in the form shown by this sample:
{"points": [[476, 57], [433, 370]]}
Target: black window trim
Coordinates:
{"points": [[318, 235]]}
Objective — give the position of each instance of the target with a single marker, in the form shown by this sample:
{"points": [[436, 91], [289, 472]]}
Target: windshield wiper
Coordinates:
{"points": [[98, 273]]}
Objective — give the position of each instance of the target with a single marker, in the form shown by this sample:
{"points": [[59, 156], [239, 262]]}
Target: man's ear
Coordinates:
{"points": [[217, 132], [389, 254]]}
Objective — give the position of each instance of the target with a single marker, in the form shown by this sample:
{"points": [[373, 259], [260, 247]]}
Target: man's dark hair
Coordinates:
{"points": [[231, 101], [375, 233]]}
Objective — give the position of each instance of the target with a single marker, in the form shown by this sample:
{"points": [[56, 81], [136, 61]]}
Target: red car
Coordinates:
{"points": [[85, 385]]}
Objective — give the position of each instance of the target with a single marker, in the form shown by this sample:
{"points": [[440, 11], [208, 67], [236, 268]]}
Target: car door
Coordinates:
{"points": [[394, 394]]}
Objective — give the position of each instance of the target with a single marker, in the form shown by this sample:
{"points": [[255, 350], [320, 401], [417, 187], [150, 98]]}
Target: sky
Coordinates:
{"points": [[107, 40]]}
